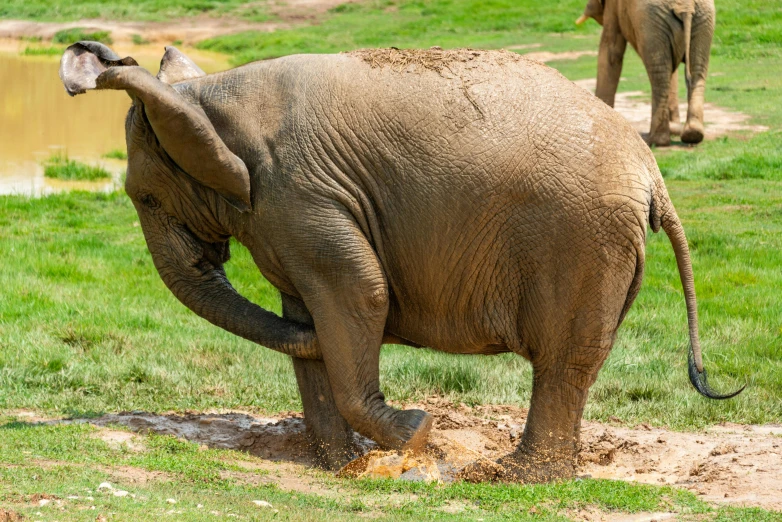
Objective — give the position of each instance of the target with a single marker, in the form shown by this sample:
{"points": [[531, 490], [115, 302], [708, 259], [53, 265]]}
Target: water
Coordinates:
{"points": [[37, 118]]}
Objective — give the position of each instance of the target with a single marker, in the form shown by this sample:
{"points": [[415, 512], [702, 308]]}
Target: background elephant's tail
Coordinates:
{"points": [[684, 10], [663, 214], [687, 20]]}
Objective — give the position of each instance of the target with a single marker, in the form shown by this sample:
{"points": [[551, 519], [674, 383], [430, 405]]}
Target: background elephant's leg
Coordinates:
{"points": [[329, 433], [700, 47], [673, 104], [609, 63], [659, 67]]}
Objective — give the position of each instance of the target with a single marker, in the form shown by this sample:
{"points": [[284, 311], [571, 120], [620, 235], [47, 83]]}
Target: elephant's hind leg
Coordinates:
{"points": [[330, 436], [673, 105], [702, 30], [570, 326]]}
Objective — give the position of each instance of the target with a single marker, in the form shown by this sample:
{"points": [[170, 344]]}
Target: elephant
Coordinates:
{"points": [[473, 202], [664, 33]]}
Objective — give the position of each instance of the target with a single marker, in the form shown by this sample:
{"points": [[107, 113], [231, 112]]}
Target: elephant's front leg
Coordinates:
{"points": [[345, 290], [330, 435]]}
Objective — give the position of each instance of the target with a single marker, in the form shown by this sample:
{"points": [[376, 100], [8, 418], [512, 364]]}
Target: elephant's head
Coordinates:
{"points": [[593, 9], [185, 184]]}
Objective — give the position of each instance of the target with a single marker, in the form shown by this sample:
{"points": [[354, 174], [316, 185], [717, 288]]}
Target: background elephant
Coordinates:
{"points": [[472, 202], [664, 33]]}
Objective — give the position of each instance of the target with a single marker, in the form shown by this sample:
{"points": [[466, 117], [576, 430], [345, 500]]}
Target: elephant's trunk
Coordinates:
{"points": [[193, 271]]}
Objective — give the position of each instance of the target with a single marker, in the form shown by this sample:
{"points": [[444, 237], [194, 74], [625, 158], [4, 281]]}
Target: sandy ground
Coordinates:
{"points": [[636, 107], [727, 464], [188, 30]]}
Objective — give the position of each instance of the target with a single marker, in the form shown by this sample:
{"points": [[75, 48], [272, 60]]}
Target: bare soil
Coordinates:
{"points": [[636, 107], [729, 463], [188, 30]]}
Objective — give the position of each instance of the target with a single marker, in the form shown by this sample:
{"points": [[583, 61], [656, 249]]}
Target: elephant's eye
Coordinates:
{"points": [[150, 201]]}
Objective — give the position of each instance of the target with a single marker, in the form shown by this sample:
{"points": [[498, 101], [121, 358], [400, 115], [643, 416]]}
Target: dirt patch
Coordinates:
{"points": [[636, 107], [187, 30], [734, 464], [545, 57], [119, 439], [134, 476]]}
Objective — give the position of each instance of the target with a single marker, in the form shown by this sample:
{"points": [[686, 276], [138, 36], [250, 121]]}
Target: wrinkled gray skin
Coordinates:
{"points": [[665, 33], [489, 207]]}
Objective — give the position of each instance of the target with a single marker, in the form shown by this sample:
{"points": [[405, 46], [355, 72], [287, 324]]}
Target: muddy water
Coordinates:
{"points": [[37, 118]]}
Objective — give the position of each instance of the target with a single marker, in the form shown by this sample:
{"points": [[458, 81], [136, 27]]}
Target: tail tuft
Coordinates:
{"points": [[701, 383]]}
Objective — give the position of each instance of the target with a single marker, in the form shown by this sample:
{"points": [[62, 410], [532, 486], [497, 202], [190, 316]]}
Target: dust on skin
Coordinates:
{"points": [[729, 463]]}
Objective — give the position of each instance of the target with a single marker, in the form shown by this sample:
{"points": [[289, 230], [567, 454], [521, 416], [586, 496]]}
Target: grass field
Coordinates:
{"points": [[86, 325]]}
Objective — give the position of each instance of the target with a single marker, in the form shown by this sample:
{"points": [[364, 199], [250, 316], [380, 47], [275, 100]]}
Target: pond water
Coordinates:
{"points": [[38, 118]]}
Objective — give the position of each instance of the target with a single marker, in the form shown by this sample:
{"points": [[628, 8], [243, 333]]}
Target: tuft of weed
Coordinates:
{"points": [[60, 166], [119, 154], [77, 34], [41, 51], [137, 39]]}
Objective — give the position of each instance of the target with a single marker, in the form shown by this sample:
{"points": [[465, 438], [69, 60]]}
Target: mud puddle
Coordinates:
{"points": [[729, 463], [40, 119], [636, 107]]}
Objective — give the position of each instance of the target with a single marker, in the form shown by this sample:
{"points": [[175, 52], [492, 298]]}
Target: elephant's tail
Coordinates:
{"points": [[687, 21], [663, 214]]}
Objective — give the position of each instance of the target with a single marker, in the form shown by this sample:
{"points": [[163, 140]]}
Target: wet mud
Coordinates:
{"points": [[728, 463]]}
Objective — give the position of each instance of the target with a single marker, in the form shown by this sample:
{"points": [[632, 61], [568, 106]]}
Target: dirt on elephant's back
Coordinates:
{"points": [[728, 463], [432, 59]]}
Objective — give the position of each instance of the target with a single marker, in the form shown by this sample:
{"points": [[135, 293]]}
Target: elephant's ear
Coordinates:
{"points": [[176, 67], [182, 128], [83, 62]]}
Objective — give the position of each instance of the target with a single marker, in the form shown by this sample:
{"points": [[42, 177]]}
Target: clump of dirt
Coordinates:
{"points": [[392, 464], [636, 107], [7, 515], [601, 449], [432, 59]]}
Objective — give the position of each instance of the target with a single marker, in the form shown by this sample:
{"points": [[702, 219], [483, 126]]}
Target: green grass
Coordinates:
{"points": [[60, 166], [119, 154], [152, 10], [77, 34], [42, 51], [63, 461]]}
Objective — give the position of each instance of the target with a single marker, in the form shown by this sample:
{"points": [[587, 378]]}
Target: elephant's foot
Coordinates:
{"points": [[521, 467], [693, 132], [660, 139], [409, 430]]}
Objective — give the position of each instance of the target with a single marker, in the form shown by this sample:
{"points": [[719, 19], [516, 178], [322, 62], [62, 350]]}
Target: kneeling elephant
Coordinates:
{"points": [[472, 202]]}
